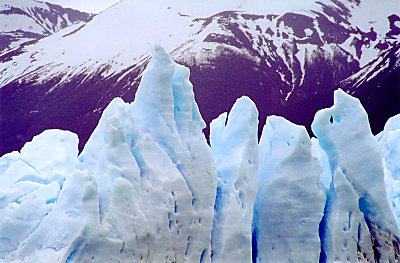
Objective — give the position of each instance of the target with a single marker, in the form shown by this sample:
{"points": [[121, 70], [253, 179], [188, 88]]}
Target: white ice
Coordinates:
{"points": [[286, 225], [344, 134], [389, 143], [234, 146], [148, 188]]}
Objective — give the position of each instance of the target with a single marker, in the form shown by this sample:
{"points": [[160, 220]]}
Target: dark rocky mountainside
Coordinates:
{"points": [[288, 63], [25, 22]]}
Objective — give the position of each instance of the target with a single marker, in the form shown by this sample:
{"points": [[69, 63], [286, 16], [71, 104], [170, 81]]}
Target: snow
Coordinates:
{"points": [[14, 22], [377, 67], [128, 31], [28, 4], [301, 56], [348, 47], [148, 188], [201, 8], [24, 21], [368, 15], [234, 146], [173, 30], [32, 19]]}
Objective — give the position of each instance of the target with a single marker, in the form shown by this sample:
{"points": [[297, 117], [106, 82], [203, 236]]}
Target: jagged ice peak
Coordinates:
{"points": [[148, 188]]}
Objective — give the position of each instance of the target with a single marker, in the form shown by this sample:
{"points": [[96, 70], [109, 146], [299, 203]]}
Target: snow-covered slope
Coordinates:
{"points": [[185, 25], [24, 22], [145, 188], [280, 55]]}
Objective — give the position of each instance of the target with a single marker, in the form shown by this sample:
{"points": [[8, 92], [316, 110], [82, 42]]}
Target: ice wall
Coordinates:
{"points": [[389, 144], [148, 188], [234, 146], [157, 146], [291, 198], [30, 184], [142, 190], [344, 134]]}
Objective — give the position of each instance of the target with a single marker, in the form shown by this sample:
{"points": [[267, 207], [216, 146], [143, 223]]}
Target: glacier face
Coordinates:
{"points": [[388, 141], [235, 151], [148, 188], [170, 168], [357, 175], [286, 225]]}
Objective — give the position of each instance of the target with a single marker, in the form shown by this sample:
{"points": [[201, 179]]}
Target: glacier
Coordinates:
{"points": [[234, 146], [147, 187], [290, 180], [389, 146], [357, 216]]}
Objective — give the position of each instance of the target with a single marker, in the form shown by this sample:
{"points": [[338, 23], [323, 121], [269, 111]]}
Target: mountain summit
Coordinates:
{"points": [[25, 22]]}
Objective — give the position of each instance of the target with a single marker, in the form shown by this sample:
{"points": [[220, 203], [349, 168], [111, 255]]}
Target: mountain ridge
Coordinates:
{"points": [[288, 63], [25, 22]]}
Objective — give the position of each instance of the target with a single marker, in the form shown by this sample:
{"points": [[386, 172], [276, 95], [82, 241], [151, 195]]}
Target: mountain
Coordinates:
{"points": [[148, 188], [25, 22], [287, 59], [379, 81]]}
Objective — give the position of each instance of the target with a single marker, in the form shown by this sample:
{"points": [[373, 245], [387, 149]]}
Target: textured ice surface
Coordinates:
{"points": [[344, 134], [30, 184], [286, 225], [148, 188], [157, 146], [345, 234], [389, 143], [234, 145], [320, 154], [142, 190]]}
